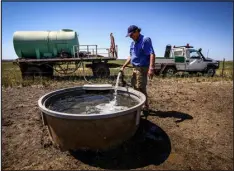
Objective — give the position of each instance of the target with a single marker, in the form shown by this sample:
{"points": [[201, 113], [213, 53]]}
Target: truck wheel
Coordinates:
{"points": [[32, 72], [210, 72], [169, 71], [101, 70]]}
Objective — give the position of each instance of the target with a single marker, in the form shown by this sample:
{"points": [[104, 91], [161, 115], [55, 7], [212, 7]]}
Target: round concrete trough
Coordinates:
{"points": [[91, 131]]}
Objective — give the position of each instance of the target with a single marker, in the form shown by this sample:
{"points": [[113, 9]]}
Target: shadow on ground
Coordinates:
{"points": [[173, 114], [150, 145]]}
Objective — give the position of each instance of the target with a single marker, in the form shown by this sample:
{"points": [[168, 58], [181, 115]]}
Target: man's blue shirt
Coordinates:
{"points": [[140, 51]]}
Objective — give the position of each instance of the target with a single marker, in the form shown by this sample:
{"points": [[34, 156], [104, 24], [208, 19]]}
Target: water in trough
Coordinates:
{"points": [[100, 102]]}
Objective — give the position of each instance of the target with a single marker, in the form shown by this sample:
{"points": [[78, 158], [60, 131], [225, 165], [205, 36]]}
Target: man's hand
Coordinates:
{"points": [[150, 73], [122, 69], [126, 64]]}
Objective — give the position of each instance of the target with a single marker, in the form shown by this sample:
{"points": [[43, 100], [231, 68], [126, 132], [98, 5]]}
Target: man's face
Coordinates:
{"points": [[134, 35]]}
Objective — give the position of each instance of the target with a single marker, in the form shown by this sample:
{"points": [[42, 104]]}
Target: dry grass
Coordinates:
{"points": [[11, 76]]}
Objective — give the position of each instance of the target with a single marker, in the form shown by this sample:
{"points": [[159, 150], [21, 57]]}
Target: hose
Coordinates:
{"points": [[77, 66], [82, 62]]}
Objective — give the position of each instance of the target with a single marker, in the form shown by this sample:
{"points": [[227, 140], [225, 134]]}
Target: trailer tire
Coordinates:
{"points": [[169, 71], [47, 71], [32, 72], [101, 70]]}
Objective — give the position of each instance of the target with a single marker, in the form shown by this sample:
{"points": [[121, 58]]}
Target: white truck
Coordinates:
{"points": [[185, 59]]}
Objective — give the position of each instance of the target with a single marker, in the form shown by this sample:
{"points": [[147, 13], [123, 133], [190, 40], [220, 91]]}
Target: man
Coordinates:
{"points": [[142, 57]]}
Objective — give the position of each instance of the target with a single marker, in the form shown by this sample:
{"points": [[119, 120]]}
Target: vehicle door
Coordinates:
{"points": [[179, 57], [194, 61]]}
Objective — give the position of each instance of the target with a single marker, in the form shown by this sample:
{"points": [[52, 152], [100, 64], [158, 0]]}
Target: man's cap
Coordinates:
{"points": [[131, 29]]}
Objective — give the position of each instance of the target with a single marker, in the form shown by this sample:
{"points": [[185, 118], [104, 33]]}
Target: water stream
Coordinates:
{"points": [[116, 88]]}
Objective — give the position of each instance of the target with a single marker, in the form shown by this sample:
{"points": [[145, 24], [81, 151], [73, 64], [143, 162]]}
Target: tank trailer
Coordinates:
{"points": [[41, 53]]}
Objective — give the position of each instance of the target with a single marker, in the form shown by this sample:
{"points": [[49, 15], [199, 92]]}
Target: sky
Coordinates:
{"points": [[206, 25]]}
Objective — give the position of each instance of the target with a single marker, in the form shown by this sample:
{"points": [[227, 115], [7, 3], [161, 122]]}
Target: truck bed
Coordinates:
{"points": [[160, 60]]}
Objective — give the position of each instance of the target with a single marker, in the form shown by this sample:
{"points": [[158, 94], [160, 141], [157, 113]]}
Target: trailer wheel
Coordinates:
{"points": [[101, 70], [32, 72], [169, 71], [47, 71]]}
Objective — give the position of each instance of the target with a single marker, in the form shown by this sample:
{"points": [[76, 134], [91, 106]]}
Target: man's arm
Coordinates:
{"points": [[128, 60], [152, 64], [149, 50], [152, 61], [126, 63]]}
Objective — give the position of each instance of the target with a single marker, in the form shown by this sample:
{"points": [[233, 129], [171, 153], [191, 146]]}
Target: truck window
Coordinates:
{"points": [[194, 55], [178, 53]]}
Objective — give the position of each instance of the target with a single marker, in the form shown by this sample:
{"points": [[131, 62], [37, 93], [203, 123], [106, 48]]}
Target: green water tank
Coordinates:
{"points": [[44, 44]]}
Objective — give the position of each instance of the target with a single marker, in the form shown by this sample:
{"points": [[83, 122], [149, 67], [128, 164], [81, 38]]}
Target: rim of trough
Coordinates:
{"points": [[47, 111]]}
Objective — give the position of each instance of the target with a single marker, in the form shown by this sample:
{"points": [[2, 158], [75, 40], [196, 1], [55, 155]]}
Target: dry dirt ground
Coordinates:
{"points": [[193, 121]]}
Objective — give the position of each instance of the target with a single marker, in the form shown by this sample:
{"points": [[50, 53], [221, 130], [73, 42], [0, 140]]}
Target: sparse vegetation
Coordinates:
{"points": [[11, 75]]}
